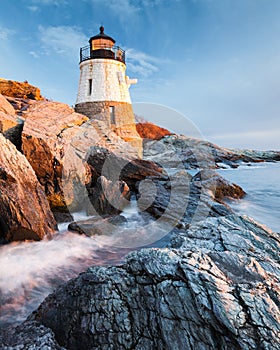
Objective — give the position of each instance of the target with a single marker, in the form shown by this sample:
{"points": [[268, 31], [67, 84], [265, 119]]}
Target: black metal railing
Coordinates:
{"points": [[102, 51]]}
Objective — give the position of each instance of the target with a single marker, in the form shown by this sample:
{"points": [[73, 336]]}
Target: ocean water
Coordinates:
{"points": [[30, 271], [261, 182]]}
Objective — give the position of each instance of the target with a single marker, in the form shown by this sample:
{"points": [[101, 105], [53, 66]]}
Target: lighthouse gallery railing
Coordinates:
{"points": [[114, 52]]}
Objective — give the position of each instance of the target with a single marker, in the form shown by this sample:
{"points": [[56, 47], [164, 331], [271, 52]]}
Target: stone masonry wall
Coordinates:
{"points": [[101, 111]]}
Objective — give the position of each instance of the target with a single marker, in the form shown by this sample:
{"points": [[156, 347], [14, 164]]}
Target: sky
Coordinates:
{"points": [[215, 62]]}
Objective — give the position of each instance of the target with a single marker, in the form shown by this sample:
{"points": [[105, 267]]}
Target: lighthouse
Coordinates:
{"points": [[103, 91]]}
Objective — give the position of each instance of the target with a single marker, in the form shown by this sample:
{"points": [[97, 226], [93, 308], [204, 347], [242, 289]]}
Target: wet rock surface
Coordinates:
{"points": [[215, 184], [188, 199], [105, 225], [24, 209], [215, 287], [108, 197]]}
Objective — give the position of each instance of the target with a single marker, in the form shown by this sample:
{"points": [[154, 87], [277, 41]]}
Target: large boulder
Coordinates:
{"points": [[103, 161], [19, 89], [24, 209], [104, 226], [187, 199], [108, 197], [47, 132], [217, 186], [216, 287]]}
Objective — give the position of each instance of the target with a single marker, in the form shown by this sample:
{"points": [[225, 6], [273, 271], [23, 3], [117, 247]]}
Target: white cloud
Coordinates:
{"points": [[5, 33], [50, 2], [128, 8], [33, 8], [64, 40], [125, 11], [151, 3], [34, 54], [140, 63], [121, 8]]}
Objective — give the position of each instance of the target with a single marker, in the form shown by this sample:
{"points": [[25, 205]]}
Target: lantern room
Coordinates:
{"points": [[102, 46]]}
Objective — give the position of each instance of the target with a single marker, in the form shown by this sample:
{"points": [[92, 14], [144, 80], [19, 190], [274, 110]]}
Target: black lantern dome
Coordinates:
{"points": [[101, 36], [102, 46]]}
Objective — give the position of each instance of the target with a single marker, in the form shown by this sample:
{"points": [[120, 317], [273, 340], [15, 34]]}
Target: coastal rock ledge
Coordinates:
{"points": [[216, 286]]}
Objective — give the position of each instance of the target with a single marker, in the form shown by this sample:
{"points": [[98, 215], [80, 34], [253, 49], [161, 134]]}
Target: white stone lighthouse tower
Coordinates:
{"points": [[103, 87]]}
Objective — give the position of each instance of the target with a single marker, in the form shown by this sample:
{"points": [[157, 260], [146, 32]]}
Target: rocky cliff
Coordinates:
{"points": [[179, 150], [48, 129], [24, 90], [24, 210], [10, 124]]}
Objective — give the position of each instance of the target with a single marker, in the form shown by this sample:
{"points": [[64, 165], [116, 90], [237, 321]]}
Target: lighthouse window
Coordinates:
{"points": [[112, 115], [89, 86]]}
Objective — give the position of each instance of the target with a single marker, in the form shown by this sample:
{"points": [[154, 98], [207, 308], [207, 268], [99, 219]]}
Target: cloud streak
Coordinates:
{"points": [[5, 33], [124, 9], [62, 40], [49, 2], [141, 63]]}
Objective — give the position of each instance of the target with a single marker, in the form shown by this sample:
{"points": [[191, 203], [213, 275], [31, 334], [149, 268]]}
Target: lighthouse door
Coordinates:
{"points": [[112, 115]]}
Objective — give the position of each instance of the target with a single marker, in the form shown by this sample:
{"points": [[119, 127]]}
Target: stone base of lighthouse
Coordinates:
{"points": [[118, 116]]}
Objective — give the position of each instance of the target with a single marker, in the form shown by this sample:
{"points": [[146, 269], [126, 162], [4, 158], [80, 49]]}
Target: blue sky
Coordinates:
{"points": [[215, 61]]}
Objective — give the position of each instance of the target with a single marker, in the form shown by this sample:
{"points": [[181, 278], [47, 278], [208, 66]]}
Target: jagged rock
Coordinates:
{"points": [[187, 199], [178, 150], [24, 210], [10, 125], [114, 167], [166, 198], [35, 336], [6, 107], [47, 132], [259, 155], [151, 131], [217, 185], [20, 105], [216, 287], [18, 89], [108, 197], [57, 142], [97, 225]]}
